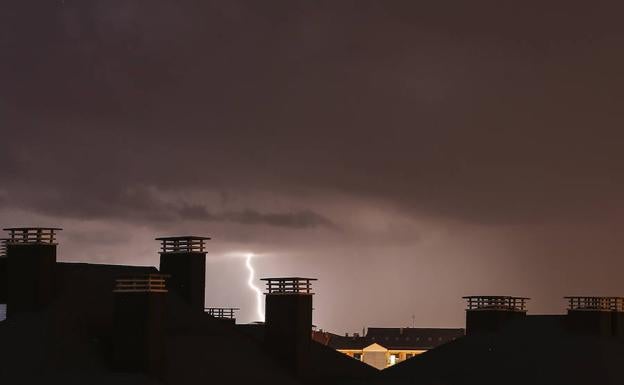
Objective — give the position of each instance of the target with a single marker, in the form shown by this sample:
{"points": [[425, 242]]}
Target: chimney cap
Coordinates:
{"points": [[31, 228], [289, 285], [32, 235], [496, 302], [182, 237], [595, 303], [182, 244]]}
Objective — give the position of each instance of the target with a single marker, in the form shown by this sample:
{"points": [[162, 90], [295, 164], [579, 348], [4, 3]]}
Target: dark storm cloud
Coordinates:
{"points": [[501, 117], [488, 112], [298, 220], [143, 205]]}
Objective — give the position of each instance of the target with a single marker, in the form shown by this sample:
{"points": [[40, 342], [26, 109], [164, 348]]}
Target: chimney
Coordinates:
{"points": [[138, 324], [599, 316], [184, 259], [289, 320], [3, 272], [488, 314], [223, 314], [30, 264], [3, 279]]}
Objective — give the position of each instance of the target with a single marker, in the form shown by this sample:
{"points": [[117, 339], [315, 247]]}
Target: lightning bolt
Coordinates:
{"points": [[252, 286]]}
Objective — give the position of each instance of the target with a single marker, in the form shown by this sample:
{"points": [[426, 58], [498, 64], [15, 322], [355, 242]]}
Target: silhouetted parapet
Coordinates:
{"points": [[288, 320], [31, 257], [138, 324], [184, 259], [487, 314], [602, 316], [224, 314]]}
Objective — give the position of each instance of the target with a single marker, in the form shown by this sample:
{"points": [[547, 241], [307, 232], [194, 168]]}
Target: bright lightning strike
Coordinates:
{"points": [[252, 286]]}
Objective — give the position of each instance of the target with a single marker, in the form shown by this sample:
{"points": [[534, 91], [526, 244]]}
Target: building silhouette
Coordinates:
{"points": [[81, 323], [384, 347]]}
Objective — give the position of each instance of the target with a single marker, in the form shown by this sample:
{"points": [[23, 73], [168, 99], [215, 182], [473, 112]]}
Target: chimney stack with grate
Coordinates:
{"points": [[30, 265], [487, 314], [601, 316], [288, 321], [138, 324], [184, 259]]}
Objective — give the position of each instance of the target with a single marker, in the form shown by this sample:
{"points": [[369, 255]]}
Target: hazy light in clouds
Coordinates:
{"points": [[252, 286]]}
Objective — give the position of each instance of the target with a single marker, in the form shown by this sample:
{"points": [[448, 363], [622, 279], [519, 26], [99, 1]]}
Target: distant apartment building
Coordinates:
{"points": [[384, 347]]}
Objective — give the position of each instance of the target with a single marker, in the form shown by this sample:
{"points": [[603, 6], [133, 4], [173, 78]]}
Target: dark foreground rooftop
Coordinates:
{"points": [[69, 342], [536, 350]]}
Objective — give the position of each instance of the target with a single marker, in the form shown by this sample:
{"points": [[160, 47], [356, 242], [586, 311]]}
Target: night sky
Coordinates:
{"points": [[405, 153]]}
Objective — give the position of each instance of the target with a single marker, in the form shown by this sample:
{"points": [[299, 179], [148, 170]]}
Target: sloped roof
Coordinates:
{"points": [[394, 338], [533, 351]]}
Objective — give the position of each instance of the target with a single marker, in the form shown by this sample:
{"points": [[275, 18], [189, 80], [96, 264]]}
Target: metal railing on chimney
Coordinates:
{"points": [[3, 248], [222, 312], [32, 235], [289, 285], [185, 244], [596, 303], [154, 283], [505, 303]]}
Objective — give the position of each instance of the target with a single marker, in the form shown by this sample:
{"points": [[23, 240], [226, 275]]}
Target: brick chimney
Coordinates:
{"points": [[599, 316], [488, 314], [288, 333], [31, 260], [138, 324], [184, 259]]}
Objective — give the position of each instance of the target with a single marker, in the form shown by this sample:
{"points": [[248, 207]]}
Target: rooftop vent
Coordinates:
{"points": [[504, 303], [155, 283], [183, 244], [289, 285], [32, 235]]}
